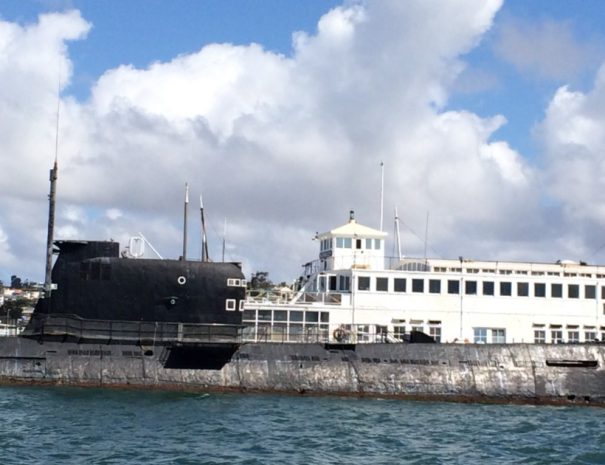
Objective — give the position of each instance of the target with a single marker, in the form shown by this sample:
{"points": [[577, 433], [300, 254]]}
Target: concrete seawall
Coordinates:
{"points": [[499, 373]]}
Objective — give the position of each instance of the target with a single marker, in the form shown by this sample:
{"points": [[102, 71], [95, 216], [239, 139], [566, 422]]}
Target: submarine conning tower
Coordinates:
{"points": [[99, 294]]}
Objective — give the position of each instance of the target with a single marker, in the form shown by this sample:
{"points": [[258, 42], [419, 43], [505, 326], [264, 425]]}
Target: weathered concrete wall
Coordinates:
{"points": [[465, 372]]}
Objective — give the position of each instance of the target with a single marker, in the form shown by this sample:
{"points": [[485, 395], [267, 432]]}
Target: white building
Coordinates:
{"points": [[353, 293]]}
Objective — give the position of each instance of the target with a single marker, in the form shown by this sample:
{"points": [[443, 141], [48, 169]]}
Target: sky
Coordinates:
{"points": [[489, 117]]}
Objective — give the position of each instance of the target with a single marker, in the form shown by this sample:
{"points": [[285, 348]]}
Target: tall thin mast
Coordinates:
{"points": [[397, 234], [381, 193], [224, 237], [205, 255], [51, 225], [52, 197], [185, 221]]}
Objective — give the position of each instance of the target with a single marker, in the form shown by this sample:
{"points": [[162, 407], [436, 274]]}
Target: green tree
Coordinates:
{"points": [[260, 280], [12, 310]]}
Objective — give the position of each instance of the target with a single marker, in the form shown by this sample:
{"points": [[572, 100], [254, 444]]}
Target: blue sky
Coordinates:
{"points": [[486, 115]]}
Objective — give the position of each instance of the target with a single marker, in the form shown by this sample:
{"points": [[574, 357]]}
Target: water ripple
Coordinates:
{"points": [[95, 426]]}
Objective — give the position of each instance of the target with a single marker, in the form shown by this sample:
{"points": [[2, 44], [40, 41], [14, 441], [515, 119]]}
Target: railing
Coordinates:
{"points": [[71, 326], [347, 334]]}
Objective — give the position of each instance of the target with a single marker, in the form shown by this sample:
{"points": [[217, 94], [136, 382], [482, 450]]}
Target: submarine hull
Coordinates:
{"points": [[526, 373]]}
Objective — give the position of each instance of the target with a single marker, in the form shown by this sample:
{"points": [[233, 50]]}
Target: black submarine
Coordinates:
{"points": [[107, 320]]}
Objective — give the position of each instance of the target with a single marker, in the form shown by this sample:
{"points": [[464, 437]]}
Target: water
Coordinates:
{"points": [[42, 425]]}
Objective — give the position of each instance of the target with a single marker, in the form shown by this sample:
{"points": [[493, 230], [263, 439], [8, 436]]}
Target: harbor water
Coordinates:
{"points": [[51, 425]]}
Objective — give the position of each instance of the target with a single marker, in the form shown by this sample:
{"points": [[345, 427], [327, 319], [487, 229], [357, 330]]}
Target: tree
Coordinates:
{"points": [[260, 280], [12, 310]]}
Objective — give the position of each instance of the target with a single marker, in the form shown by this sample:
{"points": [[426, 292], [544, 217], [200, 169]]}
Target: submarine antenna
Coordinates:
{"points": [[224, 237], [381, 193], [205, 255], [51, 206], [184, 257], [397, 235]]}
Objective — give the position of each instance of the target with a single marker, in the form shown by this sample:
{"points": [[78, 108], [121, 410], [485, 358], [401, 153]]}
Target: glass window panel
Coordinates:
{"points": [[435, 286], [399, 285], [505, 288], [363, 283], [382, 284], [453, 286], [573, 291], [590, 291]]}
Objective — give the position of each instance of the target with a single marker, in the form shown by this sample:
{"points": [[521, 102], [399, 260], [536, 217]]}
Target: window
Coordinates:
{"points": [[344, 283], [332, 283], [382, 284], [522, 289], [603, 292], [343, 242], [556, 336], [573, 291], [488, 288], [377, 244], [399, 332], [590, 336], [539, 290], [505, 288], [295, 315], [363, 283], [417, 285], [241, 305], [453, 286], [358, 243], [419, 329], [230, 305], [480, 335], [312, 317], [539, 336], [435, 333], [434, 286], [573, 337], [368, 244], [280, 315], [590, 291], [399, 285], [499, 336], [470, 287], [556, 291]]}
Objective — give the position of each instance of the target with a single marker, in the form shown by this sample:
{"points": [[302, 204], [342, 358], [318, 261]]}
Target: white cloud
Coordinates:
{"points": [[281, 146], [574, 139]]}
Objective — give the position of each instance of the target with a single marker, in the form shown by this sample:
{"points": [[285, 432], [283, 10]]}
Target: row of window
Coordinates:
{"points": [[489, 335], [443, 269], [350, 243], [282, 316], [231, 305], [555, 336], [487, 288], [235, 282]]}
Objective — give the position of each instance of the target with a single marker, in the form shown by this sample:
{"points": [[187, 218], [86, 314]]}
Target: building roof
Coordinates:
{"points": [[353, 229]]}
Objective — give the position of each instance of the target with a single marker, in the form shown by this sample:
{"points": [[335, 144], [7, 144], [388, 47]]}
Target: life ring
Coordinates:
{"points": [[181, 280], [339, 334]]}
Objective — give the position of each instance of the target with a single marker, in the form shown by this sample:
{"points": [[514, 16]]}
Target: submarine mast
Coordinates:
{"points": [[51, 226]]}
